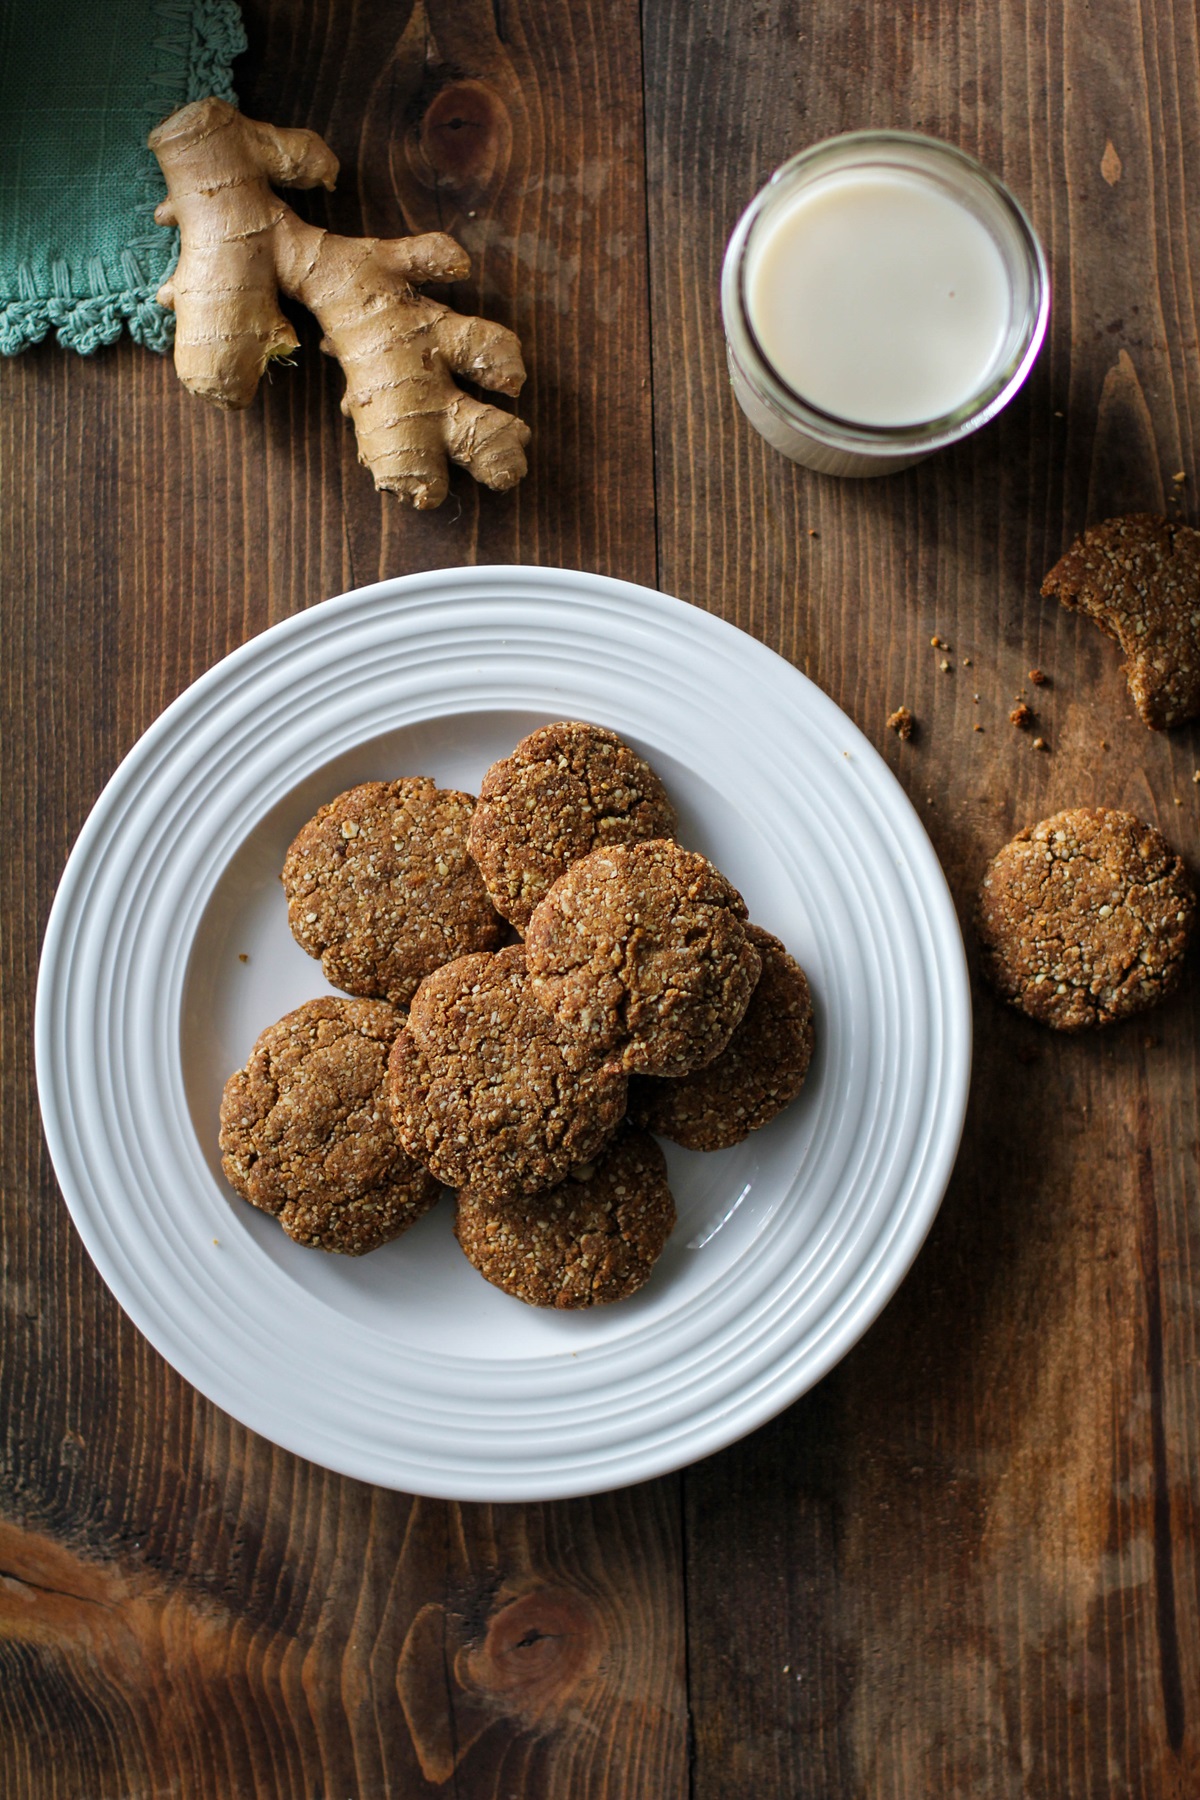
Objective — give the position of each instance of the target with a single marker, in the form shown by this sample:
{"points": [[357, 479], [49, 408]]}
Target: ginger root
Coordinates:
{"points": [[218, 168], [399, 351]]}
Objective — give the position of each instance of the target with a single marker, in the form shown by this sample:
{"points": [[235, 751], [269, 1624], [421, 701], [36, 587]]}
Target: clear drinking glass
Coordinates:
{"points": [[842, 446]]}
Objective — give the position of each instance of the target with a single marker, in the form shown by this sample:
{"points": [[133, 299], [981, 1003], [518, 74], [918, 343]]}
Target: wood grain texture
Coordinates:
{"points": [[967, 1565], [185, 1611]]}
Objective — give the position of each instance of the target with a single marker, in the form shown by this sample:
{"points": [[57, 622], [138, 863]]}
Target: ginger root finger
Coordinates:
{"points": [[431, 256], [487, 441], [291, 156], [487, 353], [223, 291], [409, 413]]}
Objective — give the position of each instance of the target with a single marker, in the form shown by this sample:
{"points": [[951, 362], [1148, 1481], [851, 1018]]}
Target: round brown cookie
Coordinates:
{"points": [[593, 1238], [306, 1134], [566, 789], [1084, 918], [353, 1227], [380, 887], [487, 1091], [641, 949], [759, 1071]]}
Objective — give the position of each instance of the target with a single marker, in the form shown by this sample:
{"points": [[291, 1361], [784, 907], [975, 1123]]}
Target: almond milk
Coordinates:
{"points": [[882, 296], [878, 298]]}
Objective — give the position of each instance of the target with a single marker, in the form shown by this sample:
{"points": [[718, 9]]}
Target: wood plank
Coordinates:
{"points": [[183, 1609], [967, 1564]]}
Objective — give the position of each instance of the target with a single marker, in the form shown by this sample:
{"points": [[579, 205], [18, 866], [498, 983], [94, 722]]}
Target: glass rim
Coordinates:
{"points": [[831, 428]]}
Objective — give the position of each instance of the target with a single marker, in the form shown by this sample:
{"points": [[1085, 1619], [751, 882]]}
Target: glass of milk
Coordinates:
{"points": [[883, 296]]}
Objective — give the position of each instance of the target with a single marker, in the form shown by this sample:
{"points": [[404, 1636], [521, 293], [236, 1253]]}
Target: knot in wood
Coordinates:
{"points": [[465, 137], [537, 1651]]}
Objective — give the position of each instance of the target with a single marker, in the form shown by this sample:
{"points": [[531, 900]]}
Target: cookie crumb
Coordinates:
{"points": [[1037, 677], [903, 723], [966, 662], [944, 666], [242, 957], [1040, 744], [938, 643], [813, 532], [1178, 801], [1196, 776], [1021, 716], [1179, 475], [978, 727]]}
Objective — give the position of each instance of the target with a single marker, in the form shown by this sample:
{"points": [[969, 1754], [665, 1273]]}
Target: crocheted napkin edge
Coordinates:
{"points": [[201, 40]]}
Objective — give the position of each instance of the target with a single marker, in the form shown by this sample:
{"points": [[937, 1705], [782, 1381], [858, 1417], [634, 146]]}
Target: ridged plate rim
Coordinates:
{"points": [[620, 1413]]}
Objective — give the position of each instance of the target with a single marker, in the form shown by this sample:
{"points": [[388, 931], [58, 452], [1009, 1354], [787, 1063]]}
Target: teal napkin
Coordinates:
{"points": [[82, 84]]}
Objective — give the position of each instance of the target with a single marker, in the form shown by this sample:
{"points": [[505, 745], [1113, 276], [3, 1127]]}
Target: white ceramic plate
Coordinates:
{"points": [[168, 951]]}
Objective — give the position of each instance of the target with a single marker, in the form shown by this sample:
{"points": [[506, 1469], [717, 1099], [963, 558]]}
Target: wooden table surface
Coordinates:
{"points": [[966, 1564]]}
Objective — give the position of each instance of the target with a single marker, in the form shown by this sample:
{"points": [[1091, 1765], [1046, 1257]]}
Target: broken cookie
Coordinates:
{"points": [[1138, 577]]}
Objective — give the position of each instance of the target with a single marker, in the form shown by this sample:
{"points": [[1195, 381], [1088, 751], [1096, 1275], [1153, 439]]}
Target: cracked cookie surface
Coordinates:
{"points": [[1138, 577], [760, 1070], [592, 1239], [566, 789], [306, 1134], [1084, 918], [487, 1091], [380, 887], [642, 951]]}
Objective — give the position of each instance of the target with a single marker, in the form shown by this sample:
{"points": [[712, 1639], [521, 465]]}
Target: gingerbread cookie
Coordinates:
{"points": [[381, 888], [488, 1091], [566, 789], [760, 1070], [305, 1131], [1138, 577], [593, 1238], [641, 950], [1084, 918]]}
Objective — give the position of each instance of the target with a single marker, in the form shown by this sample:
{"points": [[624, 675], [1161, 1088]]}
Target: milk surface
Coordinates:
{"points": [[877, 297]]}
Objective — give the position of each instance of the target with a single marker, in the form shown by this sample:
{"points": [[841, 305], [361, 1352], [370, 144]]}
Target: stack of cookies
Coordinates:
{"points": [[526, 1075]]}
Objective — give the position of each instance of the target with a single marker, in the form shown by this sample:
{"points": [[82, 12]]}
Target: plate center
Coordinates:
{"points": [[245, 971]]}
